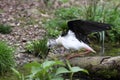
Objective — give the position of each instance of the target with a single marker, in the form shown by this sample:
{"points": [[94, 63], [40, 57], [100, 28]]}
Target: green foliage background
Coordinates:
{"points": [[6, 57], [94, 11]]}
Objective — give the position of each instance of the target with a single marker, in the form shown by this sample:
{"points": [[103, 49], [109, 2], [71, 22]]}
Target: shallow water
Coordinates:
{"points": [[109, 50]]}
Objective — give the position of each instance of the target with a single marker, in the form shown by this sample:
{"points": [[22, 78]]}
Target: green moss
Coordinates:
{"points": [[108, 73], [5, 29], [1, 10], [113, 52]]}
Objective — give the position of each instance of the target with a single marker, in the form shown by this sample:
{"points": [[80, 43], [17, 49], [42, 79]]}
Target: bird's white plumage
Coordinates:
{"points": [[71, 42]]}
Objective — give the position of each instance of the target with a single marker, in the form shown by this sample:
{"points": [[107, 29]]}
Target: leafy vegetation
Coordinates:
{"points": [[44, 71], [52, 28], [5, 29], [48, 70], [38, 48], [94, 11], [70, 70], [59, 23], [68, 13], [19, 75], [101, 12], [6, 57]]}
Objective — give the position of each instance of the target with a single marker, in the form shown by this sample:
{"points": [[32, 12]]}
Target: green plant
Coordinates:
{"points": [[70, 70], [102, 12], [44, 71], [95, 10], [18, 74], [1, 10], [68, 13], [59, 22], [38, 48], [5, 29], [64, 1], [48, 70], [114, 20], [52, 27], [55, 26], [6, 57]]}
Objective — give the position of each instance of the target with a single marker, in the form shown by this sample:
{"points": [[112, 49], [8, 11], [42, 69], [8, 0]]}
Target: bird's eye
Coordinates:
{"points": [[49, 45]]}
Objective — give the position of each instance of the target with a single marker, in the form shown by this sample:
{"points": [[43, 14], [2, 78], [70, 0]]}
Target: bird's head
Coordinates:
{"points": [[54, 42], [90, 49], [51, 43], [93, 51]]}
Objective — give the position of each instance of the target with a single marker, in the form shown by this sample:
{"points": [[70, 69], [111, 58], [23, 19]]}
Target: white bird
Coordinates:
{"points": [[71, 42], [76, 36]]}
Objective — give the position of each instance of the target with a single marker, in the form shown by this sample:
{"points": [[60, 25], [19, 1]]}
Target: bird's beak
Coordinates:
{"points": [[93, 51]]}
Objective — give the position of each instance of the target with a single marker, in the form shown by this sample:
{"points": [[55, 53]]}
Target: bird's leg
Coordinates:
{"points": [[78, 55], [72, 56], [87, 52]]}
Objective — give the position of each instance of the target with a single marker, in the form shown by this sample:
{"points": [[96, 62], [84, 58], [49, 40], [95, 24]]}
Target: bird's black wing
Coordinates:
{"points": [[83, 28]]}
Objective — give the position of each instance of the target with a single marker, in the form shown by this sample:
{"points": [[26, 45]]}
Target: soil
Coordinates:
{"points": [[24, 18]]}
